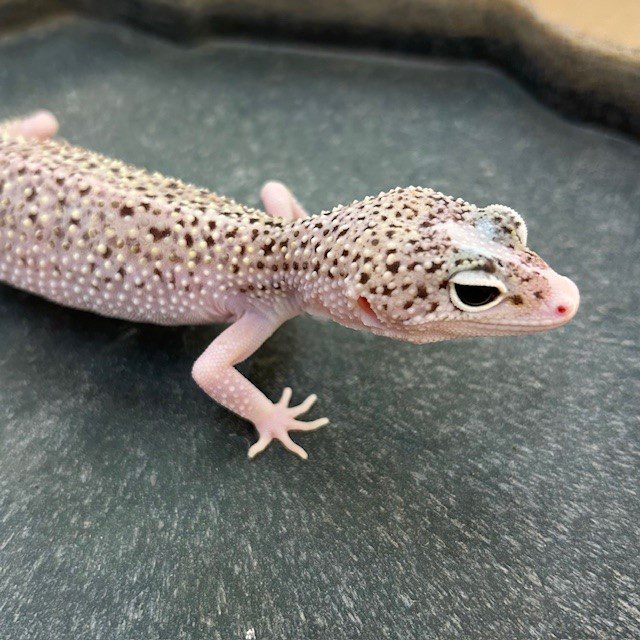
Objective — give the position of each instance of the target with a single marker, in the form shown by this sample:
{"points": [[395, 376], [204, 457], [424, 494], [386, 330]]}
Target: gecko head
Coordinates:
{"points": [[426, 267]]}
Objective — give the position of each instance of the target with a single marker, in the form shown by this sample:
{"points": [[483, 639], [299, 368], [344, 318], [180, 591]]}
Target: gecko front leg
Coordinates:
{"points": [[215, 373]]}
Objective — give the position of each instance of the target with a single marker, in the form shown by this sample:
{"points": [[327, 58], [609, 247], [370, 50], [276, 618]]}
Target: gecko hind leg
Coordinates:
{"points": [[41, 125], [279, 202]]}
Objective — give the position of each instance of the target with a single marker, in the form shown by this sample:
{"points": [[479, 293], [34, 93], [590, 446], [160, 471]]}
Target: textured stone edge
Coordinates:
{"points": [[15, 14], [587, 79]]}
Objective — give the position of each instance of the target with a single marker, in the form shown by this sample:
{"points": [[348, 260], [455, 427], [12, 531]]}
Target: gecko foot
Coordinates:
{"points": [[281, 420]]}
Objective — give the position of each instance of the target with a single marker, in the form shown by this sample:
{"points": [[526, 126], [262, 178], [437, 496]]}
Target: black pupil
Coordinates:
{"points": [[476, 296]]}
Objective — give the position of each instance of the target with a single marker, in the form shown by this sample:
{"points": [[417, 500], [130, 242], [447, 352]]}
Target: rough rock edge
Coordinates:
{"points": [[587, 79]]}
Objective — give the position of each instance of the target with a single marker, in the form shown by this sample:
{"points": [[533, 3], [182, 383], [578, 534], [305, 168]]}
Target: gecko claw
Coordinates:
{"points": [[282, 419]]}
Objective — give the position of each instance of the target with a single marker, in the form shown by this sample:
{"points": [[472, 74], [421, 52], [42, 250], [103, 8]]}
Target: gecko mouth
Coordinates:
{"points": [[467, 329], [519, 327]]}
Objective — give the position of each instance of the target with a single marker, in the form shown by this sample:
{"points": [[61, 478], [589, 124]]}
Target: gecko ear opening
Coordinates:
{"points": [[367, 314], [498, 221]]}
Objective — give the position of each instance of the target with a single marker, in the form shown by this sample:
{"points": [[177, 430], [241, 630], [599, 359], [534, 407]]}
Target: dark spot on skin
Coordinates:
{"points": [[517, 299], [125, 211], [489, 266], [434, 267], [159, 234], [364, 278], [422, 292], [393, 267], [408, 305], [539, 295]]}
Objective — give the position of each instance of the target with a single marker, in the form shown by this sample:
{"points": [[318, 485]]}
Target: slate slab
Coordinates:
{"points": [[482, 489]]}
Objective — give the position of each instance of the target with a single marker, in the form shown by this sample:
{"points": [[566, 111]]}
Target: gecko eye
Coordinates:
{"points": [[475, 290]]}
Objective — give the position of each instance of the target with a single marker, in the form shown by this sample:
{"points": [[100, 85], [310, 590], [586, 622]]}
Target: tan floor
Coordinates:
{"points": [[616, 22]]}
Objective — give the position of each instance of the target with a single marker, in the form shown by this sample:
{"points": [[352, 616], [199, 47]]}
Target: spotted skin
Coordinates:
{"points": [[93, 233]]}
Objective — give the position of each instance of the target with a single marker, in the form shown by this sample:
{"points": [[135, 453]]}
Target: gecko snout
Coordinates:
{"points": [[565, 298]]}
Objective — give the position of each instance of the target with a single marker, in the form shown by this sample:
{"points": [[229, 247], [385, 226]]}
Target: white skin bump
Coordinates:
{"points": [[93, 233]]}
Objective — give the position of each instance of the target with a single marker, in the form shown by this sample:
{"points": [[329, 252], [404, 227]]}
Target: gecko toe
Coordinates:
{"points": [[298, 425], [262, 443], [290, 445], [303, 407]]}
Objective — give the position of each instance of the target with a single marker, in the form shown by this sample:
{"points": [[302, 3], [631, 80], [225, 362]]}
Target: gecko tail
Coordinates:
{"points": [[40, 125]]}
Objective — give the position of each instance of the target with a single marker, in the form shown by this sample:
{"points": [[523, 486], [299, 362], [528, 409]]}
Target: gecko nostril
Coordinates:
{"points": [[561, 309]]}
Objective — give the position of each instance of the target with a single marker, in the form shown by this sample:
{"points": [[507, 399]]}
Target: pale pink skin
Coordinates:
{"points": [[215, 372]]}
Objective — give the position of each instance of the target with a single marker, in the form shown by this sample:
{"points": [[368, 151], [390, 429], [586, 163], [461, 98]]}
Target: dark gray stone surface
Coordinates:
{"points": [[482, 489]]}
